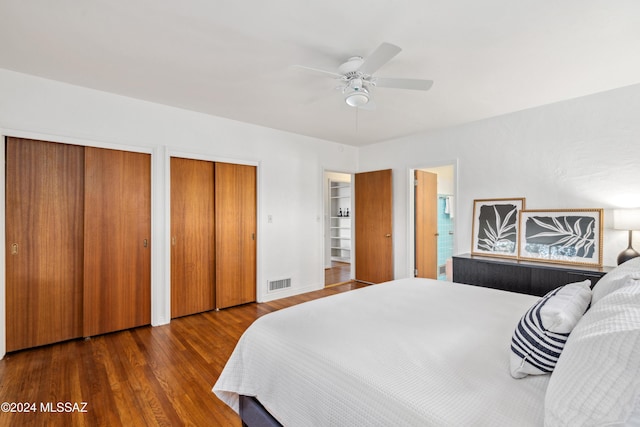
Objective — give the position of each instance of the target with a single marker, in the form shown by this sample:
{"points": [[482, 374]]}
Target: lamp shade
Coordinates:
{"points": [[626, 219]]}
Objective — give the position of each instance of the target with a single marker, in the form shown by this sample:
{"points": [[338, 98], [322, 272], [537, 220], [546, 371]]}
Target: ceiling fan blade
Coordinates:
{"points": [[379, 57], [319, 71], [415, 84]]}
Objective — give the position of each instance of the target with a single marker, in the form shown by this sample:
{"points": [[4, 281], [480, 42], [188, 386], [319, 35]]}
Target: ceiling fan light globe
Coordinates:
{"points": [[356, 96]]}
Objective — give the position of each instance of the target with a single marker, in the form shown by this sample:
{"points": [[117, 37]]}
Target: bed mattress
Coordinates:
{"points": [[407, 352]]}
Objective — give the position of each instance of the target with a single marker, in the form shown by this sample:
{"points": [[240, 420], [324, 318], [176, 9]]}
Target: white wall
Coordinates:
{"points": [[446, 181], [581, 153], [290, 171]]}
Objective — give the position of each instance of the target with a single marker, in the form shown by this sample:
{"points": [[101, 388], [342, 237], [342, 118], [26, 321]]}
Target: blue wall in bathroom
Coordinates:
{"points": [[445, 236]]}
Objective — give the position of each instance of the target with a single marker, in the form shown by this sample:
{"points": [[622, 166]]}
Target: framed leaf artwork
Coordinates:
{"points": [[495, 227], [569, 236]]}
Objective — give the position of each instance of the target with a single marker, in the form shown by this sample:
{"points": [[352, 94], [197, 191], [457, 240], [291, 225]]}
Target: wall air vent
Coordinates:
{"points": [[276, 285]]}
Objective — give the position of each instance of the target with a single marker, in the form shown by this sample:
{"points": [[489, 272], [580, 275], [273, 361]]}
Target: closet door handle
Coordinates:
{"points": [[14, 249], [145, 243]]}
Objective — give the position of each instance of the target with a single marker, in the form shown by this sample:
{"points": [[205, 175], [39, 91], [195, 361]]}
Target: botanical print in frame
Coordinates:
{"points": [[495, 227], [569, 236]]}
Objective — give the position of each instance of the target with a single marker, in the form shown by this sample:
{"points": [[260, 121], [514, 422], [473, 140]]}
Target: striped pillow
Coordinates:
{"points": [[542, 332]]}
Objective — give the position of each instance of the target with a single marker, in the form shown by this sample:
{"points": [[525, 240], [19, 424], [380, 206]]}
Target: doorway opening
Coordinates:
{"points": [[433, 221], [338, 228]]}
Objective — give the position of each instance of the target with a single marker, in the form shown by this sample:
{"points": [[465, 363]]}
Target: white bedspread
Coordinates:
{"points": [[409, 352]]}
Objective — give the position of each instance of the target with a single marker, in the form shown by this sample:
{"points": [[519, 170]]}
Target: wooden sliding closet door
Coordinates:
{"points": [[192, 237], [44, 220], [235, 222], [117, 251]]}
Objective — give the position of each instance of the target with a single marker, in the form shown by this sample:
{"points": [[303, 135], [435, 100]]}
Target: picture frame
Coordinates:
{"points": [[564, 236], [495, 227]]}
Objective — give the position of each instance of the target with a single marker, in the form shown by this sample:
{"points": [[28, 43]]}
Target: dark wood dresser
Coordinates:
{"points": [[535, 278]]}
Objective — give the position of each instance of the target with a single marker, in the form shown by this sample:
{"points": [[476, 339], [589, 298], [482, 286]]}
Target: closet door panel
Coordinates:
{"points": [[117, 250], [192, 237], [44, 232], [235, 224]]}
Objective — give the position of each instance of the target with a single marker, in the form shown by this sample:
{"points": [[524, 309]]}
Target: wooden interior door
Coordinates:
{"points": [[235, 229], [426, 224], [373, 226], [44, 220], [117, 250], [192, 237]]}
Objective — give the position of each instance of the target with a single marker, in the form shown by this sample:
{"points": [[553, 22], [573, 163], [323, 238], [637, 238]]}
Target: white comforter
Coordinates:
{"points": [[409, 352]]}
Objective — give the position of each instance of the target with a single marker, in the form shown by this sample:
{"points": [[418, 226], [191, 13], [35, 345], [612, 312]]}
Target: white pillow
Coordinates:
{"points": [[542, 332], [615, 279], [597, 379]]}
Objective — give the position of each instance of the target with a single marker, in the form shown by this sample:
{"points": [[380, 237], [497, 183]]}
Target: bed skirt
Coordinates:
{"points": [[253, 414]]}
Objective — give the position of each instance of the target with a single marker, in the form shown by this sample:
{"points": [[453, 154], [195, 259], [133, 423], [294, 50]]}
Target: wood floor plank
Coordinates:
{"points": [[153, 376], [339, 273]]}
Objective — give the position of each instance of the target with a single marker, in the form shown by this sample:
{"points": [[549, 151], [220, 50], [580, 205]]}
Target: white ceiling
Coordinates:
{"points": [[234, 58]]}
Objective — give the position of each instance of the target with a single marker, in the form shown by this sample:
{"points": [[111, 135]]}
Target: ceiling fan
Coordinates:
{"points": [[357, 79]]}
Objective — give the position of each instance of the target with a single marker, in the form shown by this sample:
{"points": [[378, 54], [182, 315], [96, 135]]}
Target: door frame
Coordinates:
{"points": [[411, 229]]}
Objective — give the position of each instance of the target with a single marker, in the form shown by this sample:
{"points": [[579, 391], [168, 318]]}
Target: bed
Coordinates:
{"points": [[407, 352]]}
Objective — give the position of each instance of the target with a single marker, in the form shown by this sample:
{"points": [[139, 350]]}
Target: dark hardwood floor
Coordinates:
{"points": [[154, 376]]}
